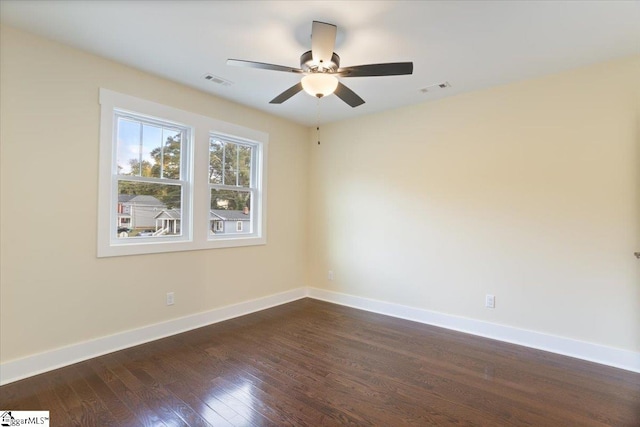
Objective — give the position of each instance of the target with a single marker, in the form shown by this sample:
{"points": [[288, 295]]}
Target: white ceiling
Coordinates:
{"points": [[470, 44]]}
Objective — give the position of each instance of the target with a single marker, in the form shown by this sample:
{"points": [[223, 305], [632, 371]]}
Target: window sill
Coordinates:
{"points": [[141, 248]]}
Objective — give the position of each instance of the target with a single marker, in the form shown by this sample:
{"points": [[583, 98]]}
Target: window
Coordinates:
{"points": [[151, 175], [217, 226], [232, 181], [171, 180]]}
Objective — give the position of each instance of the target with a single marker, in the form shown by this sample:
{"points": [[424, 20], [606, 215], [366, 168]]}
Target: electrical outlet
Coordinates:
{"points": [[170, 298], [490, 301], [330, 275]]}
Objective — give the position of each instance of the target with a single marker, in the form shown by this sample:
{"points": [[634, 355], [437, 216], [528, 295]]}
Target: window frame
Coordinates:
{"points": [[251, 188], [195, 221], [185, 180]]}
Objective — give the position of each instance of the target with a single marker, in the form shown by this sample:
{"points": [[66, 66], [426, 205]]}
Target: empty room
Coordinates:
{"points": [[305, 213]]}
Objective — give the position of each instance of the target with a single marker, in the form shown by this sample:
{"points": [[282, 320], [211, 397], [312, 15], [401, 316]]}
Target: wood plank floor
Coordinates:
{"points": [[311, 363]]}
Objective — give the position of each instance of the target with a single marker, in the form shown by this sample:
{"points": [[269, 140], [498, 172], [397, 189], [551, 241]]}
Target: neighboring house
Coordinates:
{"points": [[138, 211], [225, 221], [168, 222]]}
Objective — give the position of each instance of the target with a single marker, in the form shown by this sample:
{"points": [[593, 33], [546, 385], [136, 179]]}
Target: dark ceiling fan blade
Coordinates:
{"points": [[262, 65], [323, 41], [370, 70], [287, 94], [348, 96]]}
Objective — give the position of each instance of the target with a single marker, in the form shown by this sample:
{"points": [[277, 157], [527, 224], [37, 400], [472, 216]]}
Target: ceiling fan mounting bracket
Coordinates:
{"points": [[308, 66]]}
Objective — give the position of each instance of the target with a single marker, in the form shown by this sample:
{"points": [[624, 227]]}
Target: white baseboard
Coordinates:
{"points": [[618, 358], [36, 364]]}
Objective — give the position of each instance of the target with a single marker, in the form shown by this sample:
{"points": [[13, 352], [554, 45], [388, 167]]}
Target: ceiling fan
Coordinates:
{"points": [[321, 67]]}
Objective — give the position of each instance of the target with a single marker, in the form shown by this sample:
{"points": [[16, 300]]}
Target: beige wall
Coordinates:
{"points": [[54, 290], [529, 191]]}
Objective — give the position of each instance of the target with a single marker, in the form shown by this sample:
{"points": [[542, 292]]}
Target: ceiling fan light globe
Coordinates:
{"points": [[319, 84]]}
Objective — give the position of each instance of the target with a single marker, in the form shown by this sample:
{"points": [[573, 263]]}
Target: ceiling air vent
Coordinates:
{"points": [[217, 80], [435, 88]]}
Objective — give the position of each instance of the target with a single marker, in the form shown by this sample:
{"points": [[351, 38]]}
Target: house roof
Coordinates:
{"points": [[139, 199], [169, 214], [221, 214], [229, 215]]}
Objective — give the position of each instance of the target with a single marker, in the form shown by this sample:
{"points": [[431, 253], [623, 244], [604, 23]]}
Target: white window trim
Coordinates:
{"points": [[198, 236]]}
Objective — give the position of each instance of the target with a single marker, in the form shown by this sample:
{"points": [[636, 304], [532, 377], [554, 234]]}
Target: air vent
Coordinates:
{"points": [[436, 87], [217, 80]]}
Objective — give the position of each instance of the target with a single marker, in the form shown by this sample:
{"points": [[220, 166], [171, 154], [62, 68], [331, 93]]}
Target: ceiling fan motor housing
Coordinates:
{"points": [[308, 66]]}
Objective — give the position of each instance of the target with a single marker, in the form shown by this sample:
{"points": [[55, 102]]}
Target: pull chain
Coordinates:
{"points": [[318, 120]]}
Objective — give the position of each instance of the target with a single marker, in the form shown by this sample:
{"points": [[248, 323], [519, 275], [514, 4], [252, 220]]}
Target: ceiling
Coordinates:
{"points": [[469, 44]]}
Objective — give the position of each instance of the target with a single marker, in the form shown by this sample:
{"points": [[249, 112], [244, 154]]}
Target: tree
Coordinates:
{"points": [[230, 199], [166, 164], [229, 163], [167, 159], [140, 168]]}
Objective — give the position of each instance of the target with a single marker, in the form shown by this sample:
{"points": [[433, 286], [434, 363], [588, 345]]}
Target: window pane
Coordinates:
{"points": [[148, 209], [230, 164], [216, 148], [171, 154], [128, 147], [230, 212], [151, 151], [148, 150], [244, 165]]}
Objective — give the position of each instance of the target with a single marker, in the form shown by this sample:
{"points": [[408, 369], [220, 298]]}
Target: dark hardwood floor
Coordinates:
{"points": [[313, 363]]}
